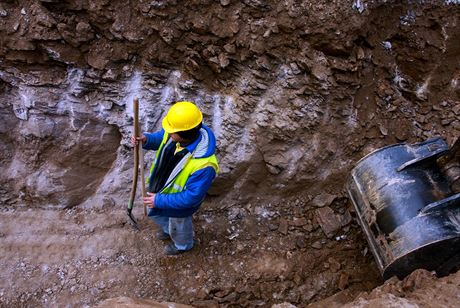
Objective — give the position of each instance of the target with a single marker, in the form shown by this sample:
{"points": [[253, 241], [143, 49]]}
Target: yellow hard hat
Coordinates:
{"points": [[182, 116]]}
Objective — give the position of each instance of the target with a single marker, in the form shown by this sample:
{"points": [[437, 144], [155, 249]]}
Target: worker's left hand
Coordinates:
{"points": [[149, 201]]}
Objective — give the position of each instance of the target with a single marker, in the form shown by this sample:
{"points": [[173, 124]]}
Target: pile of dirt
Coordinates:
{"points": [[420, 289]]}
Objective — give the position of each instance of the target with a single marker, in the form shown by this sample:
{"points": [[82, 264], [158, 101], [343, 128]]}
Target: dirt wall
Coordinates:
{"points": [[295, 91]]}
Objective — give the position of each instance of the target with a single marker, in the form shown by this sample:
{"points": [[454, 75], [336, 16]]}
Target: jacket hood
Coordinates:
{"points": [[205, 146]]}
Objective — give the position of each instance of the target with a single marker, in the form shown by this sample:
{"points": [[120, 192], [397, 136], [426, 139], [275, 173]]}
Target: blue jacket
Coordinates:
{"points": [[186, 202]]}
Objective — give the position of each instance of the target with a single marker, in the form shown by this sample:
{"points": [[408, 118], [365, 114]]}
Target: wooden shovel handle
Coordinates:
{"points": [[136, 155], [138, 133]]}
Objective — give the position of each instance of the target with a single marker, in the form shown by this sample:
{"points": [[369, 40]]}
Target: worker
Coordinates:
{"points": [[184, 167]]}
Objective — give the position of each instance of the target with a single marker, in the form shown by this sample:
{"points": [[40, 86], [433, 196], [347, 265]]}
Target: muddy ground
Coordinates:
{"points": [[81, 257]]}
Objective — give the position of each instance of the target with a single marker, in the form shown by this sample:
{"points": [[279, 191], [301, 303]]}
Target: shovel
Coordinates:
{"points": [[141, 163], [137, 153]]}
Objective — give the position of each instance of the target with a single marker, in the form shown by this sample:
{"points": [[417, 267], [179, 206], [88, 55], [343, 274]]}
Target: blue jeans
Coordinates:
{"points": [[179, 229]]}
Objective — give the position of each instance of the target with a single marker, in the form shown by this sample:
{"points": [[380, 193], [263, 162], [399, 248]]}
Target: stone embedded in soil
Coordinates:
{"points": [[229, 298], [456, 108], [223, 293], [317, 245], [283, 305], [308, 228], [330, 222], [345, 219], [323, 200], [206, 303], [283, 226], [298, 222], [446, 122], [301, 242], [139, 303], [334, 265], [343, 281]]}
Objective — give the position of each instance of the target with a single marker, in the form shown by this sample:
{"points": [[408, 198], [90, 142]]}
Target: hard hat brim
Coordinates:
{"points": [[167, 127]]}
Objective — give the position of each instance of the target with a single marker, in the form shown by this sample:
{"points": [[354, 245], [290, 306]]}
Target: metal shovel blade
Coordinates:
{"points": [[132, 221]]}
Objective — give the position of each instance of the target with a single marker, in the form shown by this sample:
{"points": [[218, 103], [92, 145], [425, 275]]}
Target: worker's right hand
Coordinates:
{"points": [[135, 140]]}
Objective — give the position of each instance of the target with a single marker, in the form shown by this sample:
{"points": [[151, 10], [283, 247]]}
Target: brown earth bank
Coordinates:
{"points": [[296, 93], [420, 289]]}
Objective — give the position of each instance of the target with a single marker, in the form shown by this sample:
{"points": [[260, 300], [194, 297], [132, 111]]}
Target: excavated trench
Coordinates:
{"points": [[296, 93]]}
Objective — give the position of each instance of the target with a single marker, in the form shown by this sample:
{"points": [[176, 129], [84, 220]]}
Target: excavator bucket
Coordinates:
{"points": [[407, 209]]}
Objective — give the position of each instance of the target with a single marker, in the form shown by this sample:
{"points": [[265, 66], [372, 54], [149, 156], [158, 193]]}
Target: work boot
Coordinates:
{"points": [[163, 236], [171, 250]]}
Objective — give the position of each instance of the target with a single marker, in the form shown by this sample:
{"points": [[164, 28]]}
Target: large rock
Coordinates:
{"points": [[138, 303], [331, 222]]}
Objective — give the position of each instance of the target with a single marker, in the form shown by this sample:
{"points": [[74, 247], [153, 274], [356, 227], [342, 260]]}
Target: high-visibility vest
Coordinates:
{"points": [[186, 166]]}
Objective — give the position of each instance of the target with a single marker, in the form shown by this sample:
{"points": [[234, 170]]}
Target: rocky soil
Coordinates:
{"points": [[420, 289], [296, 92], [244, 257]]}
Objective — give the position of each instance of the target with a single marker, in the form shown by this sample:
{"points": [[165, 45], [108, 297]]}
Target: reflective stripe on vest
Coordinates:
{"points": [[157, 154], [186, 167]]}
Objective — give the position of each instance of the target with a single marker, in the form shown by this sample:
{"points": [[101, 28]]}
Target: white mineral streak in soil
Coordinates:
{"points": [[69, 96], [217, 116], [133, 90], [21, 110]]}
